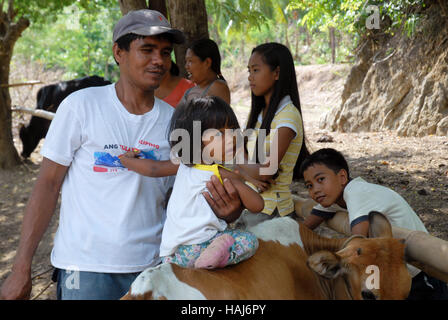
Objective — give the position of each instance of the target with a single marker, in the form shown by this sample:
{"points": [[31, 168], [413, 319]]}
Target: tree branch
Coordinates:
{"points": [[442, 6], [14, 31], [11, 12]]}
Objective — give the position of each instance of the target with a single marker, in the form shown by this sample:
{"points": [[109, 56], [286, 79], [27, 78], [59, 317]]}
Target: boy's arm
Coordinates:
{"points": [[250, 198], [313, 221], [149, 167]]}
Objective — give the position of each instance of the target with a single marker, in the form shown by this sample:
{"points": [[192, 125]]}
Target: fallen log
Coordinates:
{"points": [[37, 113], [423, 251]]}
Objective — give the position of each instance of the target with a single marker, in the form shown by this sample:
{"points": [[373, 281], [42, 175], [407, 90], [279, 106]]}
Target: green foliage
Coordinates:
{"points": [[238, 31], [40, 11], [79, 41], [236, 13], [351, 15], [75, 35]]}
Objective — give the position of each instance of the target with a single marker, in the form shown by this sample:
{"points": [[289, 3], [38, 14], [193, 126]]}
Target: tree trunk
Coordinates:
{"points": [[8, 155], [308, 37], [190, 17], [332, 45], [242, 52], [296, 52], [286, 35], [159, 5], [10, 31], [130, 5]]}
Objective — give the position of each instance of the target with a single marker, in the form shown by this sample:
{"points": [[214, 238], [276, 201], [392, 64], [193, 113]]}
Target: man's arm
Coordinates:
{"points": [[225, 202], [38, 213]]}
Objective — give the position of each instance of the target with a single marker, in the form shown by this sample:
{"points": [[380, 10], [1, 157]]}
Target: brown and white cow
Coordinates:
{"points": [[292, 262]]}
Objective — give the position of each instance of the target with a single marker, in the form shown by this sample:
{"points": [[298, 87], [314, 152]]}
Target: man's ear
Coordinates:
{"points": [[117, 52], [326, 264]]}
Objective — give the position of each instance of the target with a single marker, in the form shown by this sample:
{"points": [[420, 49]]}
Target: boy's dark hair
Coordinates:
{"points": [[277, 55], [328, 157], [211, 112]]}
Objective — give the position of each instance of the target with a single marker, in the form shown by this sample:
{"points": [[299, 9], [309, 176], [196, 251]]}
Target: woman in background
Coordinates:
{"points": [[172, 87], [203, 64]]}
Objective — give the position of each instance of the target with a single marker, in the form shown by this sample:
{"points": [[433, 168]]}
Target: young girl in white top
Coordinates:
{"points": [[192, 235]]}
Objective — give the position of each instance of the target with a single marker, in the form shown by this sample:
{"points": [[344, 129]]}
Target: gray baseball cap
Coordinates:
{"points": [[146, 22]]}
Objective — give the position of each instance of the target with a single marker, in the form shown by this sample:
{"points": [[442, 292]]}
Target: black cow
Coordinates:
{"points": [[49, 98]]}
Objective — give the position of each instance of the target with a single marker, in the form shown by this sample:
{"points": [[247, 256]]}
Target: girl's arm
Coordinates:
{"points": [[250, 198], [148, 167], [285, 136]]}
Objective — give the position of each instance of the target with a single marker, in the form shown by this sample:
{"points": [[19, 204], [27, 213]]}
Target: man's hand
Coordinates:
{"points": [[17, 286], [224, 201]]}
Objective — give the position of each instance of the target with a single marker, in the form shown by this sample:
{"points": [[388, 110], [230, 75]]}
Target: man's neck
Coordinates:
{"points": [[135, 100]]}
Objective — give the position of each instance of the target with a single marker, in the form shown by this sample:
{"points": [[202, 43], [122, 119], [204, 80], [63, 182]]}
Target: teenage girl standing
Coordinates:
{"points": [[276, 109]]}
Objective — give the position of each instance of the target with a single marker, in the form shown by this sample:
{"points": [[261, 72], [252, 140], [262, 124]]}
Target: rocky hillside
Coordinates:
{"points": [[399, 83]]}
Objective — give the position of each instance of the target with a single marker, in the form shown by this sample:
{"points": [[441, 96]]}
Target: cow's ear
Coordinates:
{"points": [[325, 263], [379, 226]]}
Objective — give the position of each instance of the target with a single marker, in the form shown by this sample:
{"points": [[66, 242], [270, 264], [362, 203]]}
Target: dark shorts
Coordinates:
{"points": [[425, 287]]}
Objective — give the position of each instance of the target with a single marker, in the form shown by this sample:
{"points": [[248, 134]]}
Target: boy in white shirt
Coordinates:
{"points": [[327, 179]]}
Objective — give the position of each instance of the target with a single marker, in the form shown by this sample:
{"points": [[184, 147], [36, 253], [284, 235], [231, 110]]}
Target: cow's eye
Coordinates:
{"points": [[359, 251], [368, 295]]}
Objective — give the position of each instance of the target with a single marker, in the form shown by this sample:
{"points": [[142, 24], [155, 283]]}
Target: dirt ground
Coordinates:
{"points": [[417, 168]]}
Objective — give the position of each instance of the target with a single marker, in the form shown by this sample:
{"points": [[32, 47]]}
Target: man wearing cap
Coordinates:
{"points": [[111, 219]]}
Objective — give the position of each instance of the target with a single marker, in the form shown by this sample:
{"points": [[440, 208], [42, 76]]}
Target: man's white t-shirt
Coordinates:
{"points": [[190, 220], [362, 197], [111, 218]]}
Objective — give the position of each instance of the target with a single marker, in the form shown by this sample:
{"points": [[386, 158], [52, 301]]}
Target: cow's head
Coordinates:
{"points": [[26, 142], [373, 268], [30, 136]]}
